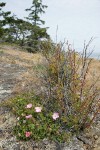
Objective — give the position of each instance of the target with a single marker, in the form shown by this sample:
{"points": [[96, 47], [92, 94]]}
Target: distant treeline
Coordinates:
{"points": [[27, 32]]}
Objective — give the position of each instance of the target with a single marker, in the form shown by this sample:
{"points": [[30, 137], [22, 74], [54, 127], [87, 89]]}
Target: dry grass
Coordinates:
{"points": [[27, 80], [14, 55], [94, 72], [20, 57]]}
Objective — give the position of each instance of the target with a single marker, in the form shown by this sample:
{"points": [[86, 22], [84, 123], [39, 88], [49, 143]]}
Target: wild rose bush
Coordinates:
{"points": [[34, 121], [68, 104]]}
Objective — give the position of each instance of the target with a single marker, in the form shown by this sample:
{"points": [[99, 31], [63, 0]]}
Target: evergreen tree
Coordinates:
{"points": [[17, 30], [26, 33], [37, 32], [23, 30], [12, 29], [3, 21], [36, 10]]}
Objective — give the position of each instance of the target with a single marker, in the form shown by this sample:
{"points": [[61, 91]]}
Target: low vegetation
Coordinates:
{"points": [[68, 103], [34, 121]]}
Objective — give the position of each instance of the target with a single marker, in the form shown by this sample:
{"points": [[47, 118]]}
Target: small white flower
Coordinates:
{"points": [[18, 118], [55, 115]]}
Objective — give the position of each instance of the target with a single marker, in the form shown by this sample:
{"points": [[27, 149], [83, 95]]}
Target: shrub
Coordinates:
{"points": [[68, 104], [33, 121], [68, 89]]}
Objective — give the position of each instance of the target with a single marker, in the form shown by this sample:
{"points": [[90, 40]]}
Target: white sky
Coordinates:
{"points": [[77, 20]]}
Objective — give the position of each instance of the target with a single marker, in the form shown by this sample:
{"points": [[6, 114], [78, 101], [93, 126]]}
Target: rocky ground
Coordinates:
{"points": [[17, 75]]}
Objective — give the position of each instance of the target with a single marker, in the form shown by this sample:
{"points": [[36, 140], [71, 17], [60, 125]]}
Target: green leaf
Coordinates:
{"points": [[32, 126]]}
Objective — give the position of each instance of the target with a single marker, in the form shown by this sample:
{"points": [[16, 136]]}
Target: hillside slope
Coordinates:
{"points": [[18, 74], [17, 71]]}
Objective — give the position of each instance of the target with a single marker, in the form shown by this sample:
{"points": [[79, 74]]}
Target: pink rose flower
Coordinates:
{"points": [[38, 109], [29, 116], [29, 105], [55, 115], [27, 134]]}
